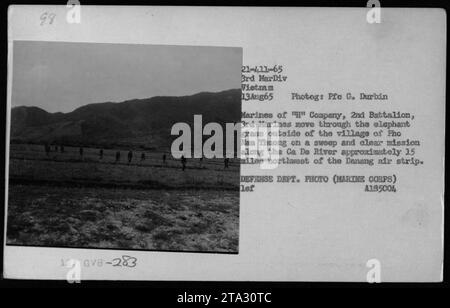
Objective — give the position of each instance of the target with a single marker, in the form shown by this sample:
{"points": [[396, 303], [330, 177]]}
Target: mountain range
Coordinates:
{"points": [[138, 123]]}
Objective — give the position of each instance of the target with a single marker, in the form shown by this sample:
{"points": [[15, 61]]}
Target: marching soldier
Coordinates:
{"points": [[183, 162], [130, 156]]}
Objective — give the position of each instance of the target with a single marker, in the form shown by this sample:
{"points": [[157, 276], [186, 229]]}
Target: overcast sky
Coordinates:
{"points": [[59, 76]]}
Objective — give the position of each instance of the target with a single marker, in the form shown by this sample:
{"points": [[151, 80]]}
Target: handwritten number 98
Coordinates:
{"points": [[47, 18]]}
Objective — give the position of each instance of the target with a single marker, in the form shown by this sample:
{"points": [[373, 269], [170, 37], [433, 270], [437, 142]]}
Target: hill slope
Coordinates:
{"points": [[144, 123]]}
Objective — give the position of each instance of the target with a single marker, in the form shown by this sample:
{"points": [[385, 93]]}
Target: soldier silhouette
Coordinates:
{"points": [[101, 153], [183, 162], [130, 156], [117, 156]]}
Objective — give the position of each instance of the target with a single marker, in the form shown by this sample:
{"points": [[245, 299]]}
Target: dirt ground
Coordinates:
{"points": [[180, 220], [61, 199]]}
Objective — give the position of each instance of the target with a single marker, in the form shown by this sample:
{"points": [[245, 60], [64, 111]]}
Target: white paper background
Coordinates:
{"points": [[302, 232]]}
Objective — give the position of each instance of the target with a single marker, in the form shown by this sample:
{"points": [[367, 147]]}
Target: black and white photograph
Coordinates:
{"points": [[169, 145], [102, 147]]}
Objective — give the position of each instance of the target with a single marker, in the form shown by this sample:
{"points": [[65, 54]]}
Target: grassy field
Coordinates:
{"points": [[63, 200], [30, 163]]}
